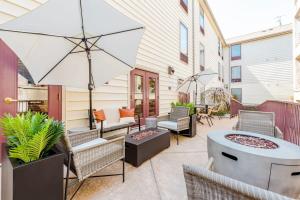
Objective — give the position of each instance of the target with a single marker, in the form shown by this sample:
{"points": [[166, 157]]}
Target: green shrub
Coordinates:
{"points": [[220, 113], [30, 136]]}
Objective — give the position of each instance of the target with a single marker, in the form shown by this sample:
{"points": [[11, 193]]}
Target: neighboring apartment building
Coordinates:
{"points": [[296, 45], [181, 38], [260, 65]]}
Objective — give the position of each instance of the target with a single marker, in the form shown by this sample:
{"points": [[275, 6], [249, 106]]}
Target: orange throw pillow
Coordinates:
{"points": [[99, 115], [126, 113]]}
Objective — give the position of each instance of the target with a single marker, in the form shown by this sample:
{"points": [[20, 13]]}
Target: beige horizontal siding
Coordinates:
{"points": [[158, 50], [267, 70]]}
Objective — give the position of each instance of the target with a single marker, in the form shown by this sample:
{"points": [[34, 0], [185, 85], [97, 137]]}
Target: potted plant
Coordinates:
{"points": [[193, 118], [32, 168]]}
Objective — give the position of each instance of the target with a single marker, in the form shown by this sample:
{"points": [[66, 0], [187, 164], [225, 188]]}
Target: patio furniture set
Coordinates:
{"points": [[252, 153], [89, 151], [207, 113]]}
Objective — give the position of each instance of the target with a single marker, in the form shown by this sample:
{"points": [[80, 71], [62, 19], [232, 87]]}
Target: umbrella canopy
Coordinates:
{"points": [[74, 43], [193, 82], [52, 41]]}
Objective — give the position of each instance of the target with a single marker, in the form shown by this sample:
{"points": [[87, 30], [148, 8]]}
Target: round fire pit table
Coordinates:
{"points": [[256, 159]]}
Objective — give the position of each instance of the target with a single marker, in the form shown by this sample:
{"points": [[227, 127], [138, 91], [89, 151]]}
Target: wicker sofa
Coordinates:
{"points": [[204, 184], [113, 125], [258, 122]]}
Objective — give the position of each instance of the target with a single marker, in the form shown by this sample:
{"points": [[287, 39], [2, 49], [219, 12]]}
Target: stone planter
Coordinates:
{"points": [[41, 179]]}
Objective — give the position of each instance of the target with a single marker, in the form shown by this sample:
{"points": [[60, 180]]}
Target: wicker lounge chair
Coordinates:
{"points": [[203, 184], [258, 122], [88, 154], [114, 127], [178, 120]]}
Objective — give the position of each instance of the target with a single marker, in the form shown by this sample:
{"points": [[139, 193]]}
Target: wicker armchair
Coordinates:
{"points": [[258, 122], [203, 184], [88, 154], [178, 120]]}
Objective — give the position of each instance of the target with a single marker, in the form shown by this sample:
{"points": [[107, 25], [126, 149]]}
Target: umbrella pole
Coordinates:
{"points": [[196, 93], [90, 86]]}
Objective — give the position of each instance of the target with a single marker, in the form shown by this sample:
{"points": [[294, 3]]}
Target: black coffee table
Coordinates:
{"points": [[143, 145]]}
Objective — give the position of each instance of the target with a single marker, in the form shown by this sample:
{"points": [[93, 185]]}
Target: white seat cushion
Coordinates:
{"points": [[112, 124], [108, 125], [127, 120], [89, 144], [168, 125]]}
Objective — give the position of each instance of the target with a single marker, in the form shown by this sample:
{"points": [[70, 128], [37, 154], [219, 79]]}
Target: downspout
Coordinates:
{"points": [[193, 47], [193, 36], [229, 70]]}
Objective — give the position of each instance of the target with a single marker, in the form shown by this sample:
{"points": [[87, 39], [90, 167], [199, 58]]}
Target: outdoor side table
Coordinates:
{"points": [[151, 122]]}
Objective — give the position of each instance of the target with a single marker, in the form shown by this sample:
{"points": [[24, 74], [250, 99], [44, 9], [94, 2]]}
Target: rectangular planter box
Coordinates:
{"points": [[136, 152], [38, 180]]}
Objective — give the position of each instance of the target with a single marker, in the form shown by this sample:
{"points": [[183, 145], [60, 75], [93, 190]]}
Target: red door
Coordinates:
{"points": [[144, 93], [8, 79], [8, 84], [55, 102]]}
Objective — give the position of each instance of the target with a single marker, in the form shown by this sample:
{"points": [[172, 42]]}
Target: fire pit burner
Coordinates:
{"points": [[143, 134], [251, 141]]}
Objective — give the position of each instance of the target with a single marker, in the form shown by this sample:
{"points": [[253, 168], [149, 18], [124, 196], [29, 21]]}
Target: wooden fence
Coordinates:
{"points": [[235, 106], [287, 116]]}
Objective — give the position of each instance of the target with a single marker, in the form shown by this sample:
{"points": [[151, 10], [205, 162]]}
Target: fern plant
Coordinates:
{"points": [[30, 136]]}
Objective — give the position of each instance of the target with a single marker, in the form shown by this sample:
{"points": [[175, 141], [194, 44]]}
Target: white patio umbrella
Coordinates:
{"points": [[77, 43], [192, 83]]}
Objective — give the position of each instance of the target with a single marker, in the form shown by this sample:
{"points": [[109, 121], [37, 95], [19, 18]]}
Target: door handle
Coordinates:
{"points": [[9, 100]]}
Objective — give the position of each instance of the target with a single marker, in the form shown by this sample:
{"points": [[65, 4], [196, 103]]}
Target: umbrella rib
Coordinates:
{"points": [[74, 43], [81, 14], [85, 50], [115, 57], [118, 32], [41, 34], [189, 87], [94, 43], [59, 62]]}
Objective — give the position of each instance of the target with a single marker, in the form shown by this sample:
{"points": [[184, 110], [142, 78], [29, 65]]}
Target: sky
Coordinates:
{"points": [[239, 17]]}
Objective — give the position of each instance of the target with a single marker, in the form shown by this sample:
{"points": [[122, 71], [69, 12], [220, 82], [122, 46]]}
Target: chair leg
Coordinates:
{"points": [[74, 194], [101, 130], [127, 130], [211, 121], [208, 121], [200, 117], [68, 172], [139, 121], [123, 170], [177, 138]]}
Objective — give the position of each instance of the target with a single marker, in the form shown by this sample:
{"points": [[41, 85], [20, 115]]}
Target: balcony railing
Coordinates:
{"points": [[32, 105]]}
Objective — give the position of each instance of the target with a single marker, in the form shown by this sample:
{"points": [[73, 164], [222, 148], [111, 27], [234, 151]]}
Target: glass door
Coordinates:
{"points": [[144, 93], [152, 94]]}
